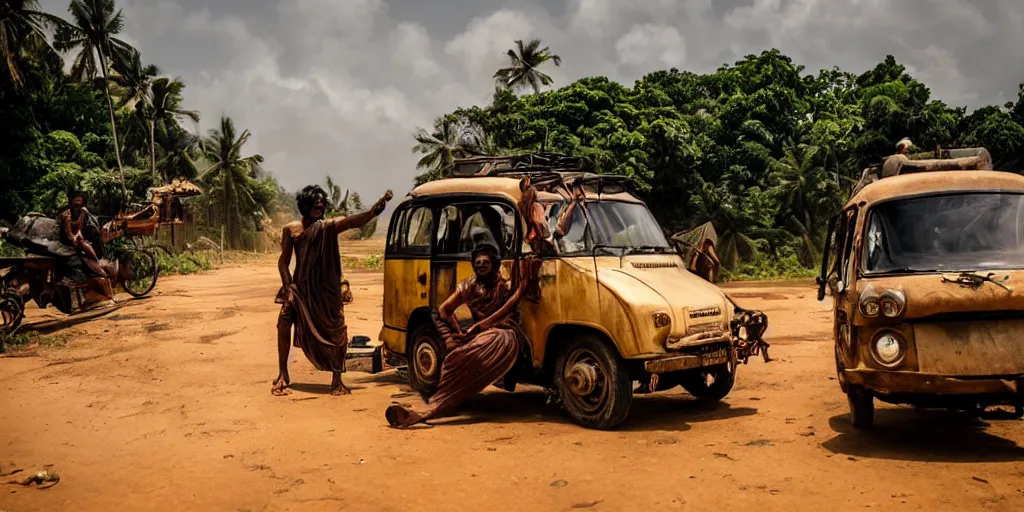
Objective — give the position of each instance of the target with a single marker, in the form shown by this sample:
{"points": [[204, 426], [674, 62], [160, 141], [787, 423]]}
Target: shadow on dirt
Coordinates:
{"points": [[922, 435], [317, 389], [671, 412]]}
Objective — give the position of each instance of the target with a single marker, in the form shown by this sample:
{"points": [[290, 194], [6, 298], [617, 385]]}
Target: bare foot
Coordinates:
{"points": [[280, 386], [338, 388]]}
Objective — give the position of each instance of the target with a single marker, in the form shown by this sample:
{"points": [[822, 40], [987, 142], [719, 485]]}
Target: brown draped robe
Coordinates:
{"points": [[469, 367], [315, 298]]}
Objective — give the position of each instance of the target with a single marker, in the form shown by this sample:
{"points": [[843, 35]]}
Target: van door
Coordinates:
{"points": [[406, 271], [461, 227], [443, 278]]}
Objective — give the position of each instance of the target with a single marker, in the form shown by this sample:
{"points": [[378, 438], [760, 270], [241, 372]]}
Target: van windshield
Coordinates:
{"points": [[628, 225], [946, 233]]}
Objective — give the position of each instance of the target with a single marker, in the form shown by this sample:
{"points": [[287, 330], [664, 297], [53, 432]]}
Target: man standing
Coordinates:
{"points": [[311, 298]]}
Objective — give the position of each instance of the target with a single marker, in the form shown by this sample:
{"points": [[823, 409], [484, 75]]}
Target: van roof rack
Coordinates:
{"points": [[540, 162], [959, 159], [544, 169]]}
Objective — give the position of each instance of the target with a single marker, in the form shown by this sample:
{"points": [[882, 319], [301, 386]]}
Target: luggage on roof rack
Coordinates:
{"points": [[965, 159], [529, 162]]}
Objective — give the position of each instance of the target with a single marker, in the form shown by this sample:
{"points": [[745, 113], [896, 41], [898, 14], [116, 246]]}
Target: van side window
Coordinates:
{"points": [[448, 227], [418, 231], [462, 227], [849, 218], [491, 223], [397, 230], [836, 250]]}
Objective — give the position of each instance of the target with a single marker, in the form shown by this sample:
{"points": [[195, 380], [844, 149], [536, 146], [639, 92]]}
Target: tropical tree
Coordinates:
{"points": [[166, 110], [522, 71], [132, 83], [23, 31], [91, 33], [337, 202], [806, 194], [178, 149], [452, 138], [231, 176]]}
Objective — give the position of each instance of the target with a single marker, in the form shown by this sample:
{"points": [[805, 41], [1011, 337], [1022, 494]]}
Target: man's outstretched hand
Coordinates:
{"points": [[378, 207]]}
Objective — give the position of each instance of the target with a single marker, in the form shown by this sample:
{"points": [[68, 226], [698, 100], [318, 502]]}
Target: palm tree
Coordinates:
{"points": [[232, 174], [449, 140], [804, 187], [94, 25], [22, 30], [179, 149], [133, 84], [337, 203], [522, 72], [166, 109]]}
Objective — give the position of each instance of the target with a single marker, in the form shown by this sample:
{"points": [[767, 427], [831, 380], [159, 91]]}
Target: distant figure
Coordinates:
{"points": [[903, 146], [701, 258], [707, 262], [486, 352], [312, 299]]}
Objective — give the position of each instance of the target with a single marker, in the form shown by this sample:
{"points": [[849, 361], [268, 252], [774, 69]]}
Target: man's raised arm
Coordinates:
{"points": [[342, 224]]}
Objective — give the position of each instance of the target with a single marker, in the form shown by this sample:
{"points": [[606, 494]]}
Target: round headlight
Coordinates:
{"points": [[892, 303], [889, 307], [661, 319], [888, 349], [869, 306]]}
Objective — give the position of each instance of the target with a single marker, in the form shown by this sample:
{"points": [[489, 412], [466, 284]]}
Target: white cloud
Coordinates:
{"points": [[481, 48], [652, 45]]}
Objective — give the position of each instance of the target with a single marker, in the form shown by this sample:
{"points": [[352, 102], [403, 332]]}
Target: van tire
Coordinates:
{"points": [[426, 357], [695, 384], [862, 407], [592, 381]]}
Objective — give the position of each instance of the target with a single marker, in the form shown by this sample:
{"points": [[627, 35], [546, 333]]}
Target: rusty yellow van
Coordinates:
{"points": [[926, 271], [616, 306]]}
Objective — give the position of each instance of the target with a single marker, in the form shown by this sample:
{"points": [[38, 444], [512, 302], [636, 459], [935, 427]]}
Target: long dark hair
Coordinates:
{"points": [[307, 197]]}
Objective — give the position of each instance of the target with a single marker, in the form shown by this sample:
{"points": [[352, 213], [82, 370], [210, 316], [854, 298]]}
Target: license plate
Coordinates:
{"points": [[720, 356]]}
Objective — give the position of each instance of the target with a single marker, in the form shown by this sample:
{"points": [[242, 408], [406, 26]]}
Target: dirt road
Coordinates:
{"points": [[165, 405]]}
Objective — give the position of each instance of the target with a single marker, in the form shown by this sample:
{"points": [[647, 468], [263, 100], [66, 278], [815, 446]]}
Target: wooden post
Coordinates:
{"points": [[222, 245]]}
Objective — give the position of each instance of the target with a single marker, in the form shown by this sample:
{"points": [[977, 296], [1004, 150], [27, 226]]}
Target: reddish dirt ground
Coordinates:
{"points": [[166, 405]]}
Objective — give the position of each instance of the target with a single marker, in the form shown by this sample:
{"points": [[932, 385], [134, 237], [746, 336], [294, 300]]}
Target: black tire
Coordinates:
{"points": [[142, 273], [593, 383], [426, 356], [862, 407], [840, 372], [12, 311], [722, 376]]}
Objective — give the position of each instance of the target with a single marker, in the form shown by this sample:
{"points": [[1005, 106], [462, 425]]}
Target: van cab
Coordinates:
{"points": [[926, 271], [616, 302]]}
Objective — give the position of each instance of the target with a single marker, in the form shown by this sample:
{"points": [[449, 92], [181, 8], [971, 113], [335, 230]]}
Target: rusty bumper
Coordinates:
{"points": [[675, 363], [889, 382]]}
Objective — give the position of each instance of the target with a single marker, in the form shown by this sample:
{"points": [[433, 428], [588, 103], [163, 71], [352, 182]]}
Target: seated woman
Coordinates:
{"points": [[484, 353]]}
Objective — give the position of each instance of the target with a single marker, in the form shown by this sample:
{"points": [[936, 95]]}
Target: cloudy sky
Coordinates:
{"points": [[337, 87]]}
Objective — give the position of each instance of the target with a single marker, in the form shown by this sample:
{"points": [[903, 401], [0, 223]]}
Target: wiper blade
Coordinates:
{"points": [[974, 280], [648, 248]]}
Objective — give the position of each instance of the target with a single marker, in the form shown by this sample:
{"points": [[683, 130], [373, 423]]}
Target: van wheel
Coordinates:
{"points": [[593, 383], [426, 355], [712, 383], [862, 407], [841, 371]]}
